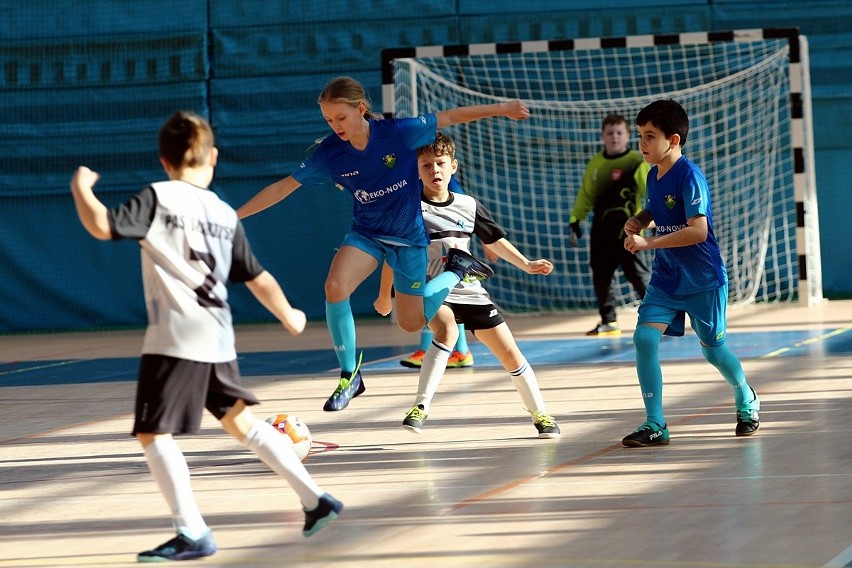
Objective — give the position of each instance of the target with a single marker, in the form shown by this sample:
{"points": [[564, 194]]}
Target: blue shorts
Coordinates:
{"points": [[408, 262], [707, 313]]}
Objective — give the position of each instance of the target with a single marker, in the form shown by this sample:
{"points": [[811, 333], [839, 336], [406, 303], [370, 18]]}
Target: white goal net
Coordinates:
{"points": [[743, 133]]}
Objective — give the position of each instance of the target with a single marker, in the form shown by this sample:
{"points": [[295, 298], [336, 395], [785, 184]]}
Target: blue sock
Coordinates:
{"points": [[436, 291], [341, 326], [646, 339], [730, 367], [461, 344], [426, 338]]}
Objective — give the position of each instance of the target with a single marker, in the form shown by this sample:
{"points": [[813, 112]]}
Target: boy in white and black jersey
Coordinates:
{"points": [[451, 220], [192, 244]]}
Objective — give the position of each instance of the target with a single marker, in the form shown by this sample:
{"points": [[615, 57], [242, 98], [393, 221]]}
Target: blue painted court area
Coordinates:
{"points": [[540, 352]]}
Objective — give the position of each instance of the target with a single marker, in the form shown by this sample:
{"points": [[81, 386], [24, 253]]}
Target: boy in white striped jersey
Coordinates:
{"points": [[451, 219], [192, 243]]}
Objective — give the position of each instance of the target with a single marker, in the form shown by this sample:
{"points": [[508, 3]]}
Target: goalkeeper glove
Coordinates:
{"points": [[576, 232]]}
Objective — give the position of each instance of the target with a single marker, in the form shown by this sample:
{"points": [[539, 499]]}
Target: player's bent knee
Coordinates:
{"points": [[335, 293], [411, 324], [646, 337], [713, 354]]}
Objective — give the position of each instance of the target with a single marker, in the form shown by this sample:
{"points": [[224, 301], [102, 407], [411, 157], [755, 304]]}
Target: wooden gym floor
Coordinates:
{"points": [[477, 488]]}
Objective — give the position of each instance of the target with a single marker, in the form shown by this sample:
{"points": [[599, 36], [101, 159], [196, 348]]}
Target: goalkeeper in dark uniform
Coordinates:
{"points": [[613, 189]]}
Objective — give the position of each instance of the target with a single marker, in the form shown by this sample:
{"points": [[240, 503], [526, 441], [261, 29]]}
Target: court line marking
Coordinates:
{"points": [[808, 341], [41, 367]]}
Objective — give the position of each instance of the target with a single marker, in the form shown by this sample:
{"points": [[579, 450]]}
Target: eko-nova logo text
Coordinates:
{"points": [[364, 196]]}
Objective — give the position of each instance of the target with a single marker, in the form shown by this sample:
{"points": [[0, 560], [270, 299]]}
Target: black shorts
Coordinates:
{"points": [[172, 393], [475, 317]]}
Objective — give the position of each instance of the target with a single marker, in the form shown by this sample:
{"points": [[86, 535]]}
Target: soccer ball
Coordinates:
{"points": [[297, 432]]}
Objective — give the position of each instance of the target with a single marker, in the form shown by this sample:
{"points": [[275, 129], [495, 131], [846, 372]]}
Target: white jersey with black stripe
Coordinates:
{"points": [[450, 225], [190, 239]]}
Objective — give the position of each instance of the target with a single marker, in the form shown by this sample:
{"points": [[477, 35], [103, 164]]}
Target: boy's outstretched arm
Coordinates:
{"points": [[384, 303], [90, 210], [507, 251], [268, 292]]}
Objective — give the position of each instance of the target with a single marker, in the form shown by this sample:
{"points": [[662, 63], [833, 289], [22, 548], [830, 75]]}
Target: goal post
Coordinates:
{"points": [[748, 98]]}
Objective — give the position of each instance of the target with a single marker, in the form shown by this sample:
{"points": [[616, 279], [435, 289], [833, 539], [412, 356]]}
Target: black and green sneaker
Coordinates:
{"points": [[648, 434], [545, 425], [415, 418]]}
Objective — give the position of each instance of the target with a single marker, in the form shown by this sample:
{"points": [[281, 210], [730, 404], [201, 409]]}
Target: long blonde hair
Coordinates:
{"points": [[347, 90], [185, 140]]}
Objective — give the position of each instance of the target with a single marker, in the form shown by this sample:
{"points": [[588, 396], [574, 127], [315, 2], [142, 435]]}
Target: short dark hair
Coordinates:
{"points": [[185, 140], [614, 119], [668, 116]]}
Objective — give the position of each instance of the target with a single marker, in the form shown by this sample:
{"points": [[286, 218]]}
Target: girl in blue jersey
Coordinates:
{"points": [[375, 161], [688, 275]]}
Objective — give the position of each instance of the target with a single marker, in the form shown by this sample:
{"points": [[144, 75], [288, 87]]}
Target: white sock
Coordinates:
{"points": [[275, 450], [168, 466], [525, 382], [431, 372]]}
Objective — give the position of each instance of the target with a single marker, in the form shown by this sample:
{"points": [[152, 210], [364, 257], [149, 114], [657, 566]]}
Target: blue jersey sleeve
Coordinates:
{"points": [[696, 195], [314, 171], [418, 131]]}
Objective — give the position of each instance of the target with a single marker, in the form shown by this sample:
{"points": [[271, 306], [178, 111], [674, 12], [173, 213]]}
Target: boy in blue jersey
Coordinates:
{"points": [[375, 161], [688, 274]]}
